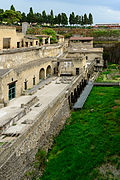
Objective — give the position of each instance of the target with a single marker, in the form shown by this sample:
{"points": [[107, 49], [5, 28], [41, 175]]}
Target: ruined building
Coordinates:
{"points": [[23, 63], [38, 85]]}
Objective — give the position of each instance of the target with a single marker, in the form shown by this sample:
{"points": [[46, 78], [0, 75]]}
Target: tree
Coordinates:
{"points": [[30, 16], [44, 17], [50, 32], [59, 19], [24, 18], [51, 17], [77, 19], [38, 18], [64, 19], [1, 15], [72, 18], [56, 20], [90, 19], [85, 19], [12, 8], [11, 16], [82, 21]]}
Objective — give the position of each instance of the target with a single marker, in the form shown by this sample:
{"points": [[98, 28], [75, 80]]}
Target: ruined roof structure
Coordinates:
{"points": [[82, 38]]}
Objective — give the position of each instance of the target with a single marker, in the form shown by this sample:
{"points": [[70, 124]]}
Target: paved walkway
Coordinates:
{"points": [[45, 96], [41, 83], [81, 100], [14, 106]]}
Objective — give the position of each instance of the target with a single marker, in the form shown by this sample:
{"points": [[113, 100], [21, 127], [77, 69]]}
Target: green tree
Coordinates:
{"points": [[56, 20], [50, 32], [24, 18], [1, 15], [11, 16], [72, 18], [31, 16], [90, 19], [59, 19], [82, 21], [85, 19], [12, 8], [77, 19], [48, 19], [44, 17], [38, 18], [51, 17], [64, 19]]}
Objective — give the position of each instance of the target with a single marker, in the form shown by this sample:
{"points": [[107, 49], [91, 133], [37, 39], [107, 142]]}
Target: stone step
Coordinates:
{"points": [[1, 105]]}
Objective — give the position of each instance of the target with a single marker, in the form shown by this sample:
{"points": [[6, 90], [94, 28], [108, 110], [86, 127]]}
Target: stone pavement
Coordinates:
{"points": [[41, 84], [15, 126]]}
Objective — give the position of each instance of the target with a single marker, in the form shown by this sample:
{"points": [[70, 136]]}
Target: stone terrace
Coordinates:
{"points": [[18, 115]]}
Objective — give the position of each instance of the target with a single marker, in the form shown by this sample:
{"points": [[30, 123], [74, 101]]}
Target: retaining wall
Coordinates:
{"points": [[16, 159], [14, 57]]}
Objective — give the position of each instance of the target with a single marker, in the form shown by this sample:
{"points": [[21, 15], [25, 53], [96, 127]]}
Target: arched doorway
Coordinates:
{"points": [[48, 71], [42, 73]]}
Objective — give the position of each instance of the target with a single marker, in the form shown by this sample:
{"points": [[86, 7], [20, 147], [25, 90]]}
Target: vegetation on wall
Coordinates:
{"points": [[105, 33], [45, 31], [51, 33], [110, 74], [112, 54]]}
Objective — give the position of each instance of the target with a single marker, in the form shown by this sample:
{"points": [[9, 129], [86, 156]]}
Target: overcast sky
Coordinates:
{"points": [[104, 11]]}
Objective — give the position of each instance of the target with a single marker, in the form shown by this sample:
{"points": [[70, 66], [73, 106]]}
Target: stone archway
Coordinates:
{"points": [[48, 71], [42, 73]]}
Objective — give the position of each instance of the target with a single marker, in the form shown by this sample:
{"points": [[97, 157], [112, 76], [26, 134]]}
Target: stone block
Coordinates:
{"points": [[5, 103], [41, 87], [1, 105]]}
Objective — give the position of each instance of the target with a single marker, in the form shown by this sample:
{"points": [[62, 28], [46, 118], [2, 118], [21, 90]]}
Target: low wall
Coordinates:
{"points": [[15, 57], [16, 159], [18, 116], [107, 84]]}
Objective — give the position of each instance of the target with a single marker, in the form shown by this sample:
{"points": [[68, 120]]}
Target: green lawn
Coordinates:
{"points": [[111, 74], [89, 146]]}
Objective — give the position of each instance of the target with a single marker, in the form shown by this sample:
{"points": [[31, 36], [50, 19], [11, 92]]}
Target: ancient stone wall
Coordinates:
{"points": [[16, 159], [80, 44], [111, 50], [24, 73], [15, 57]]}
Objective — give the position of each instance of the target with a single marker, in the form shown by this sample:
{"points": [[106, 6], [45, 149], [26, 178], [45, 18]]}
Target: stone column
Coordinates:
{"points": [[82, 84], [43, 41], [45, 74], [75, 95], [49, 40], [78, 90], [69, 100], [72, 98]]}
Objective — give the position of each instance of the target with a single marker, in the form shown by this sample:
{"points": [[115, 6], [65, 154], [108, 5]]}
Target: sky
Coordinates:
{"points": [[104, 11]]}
